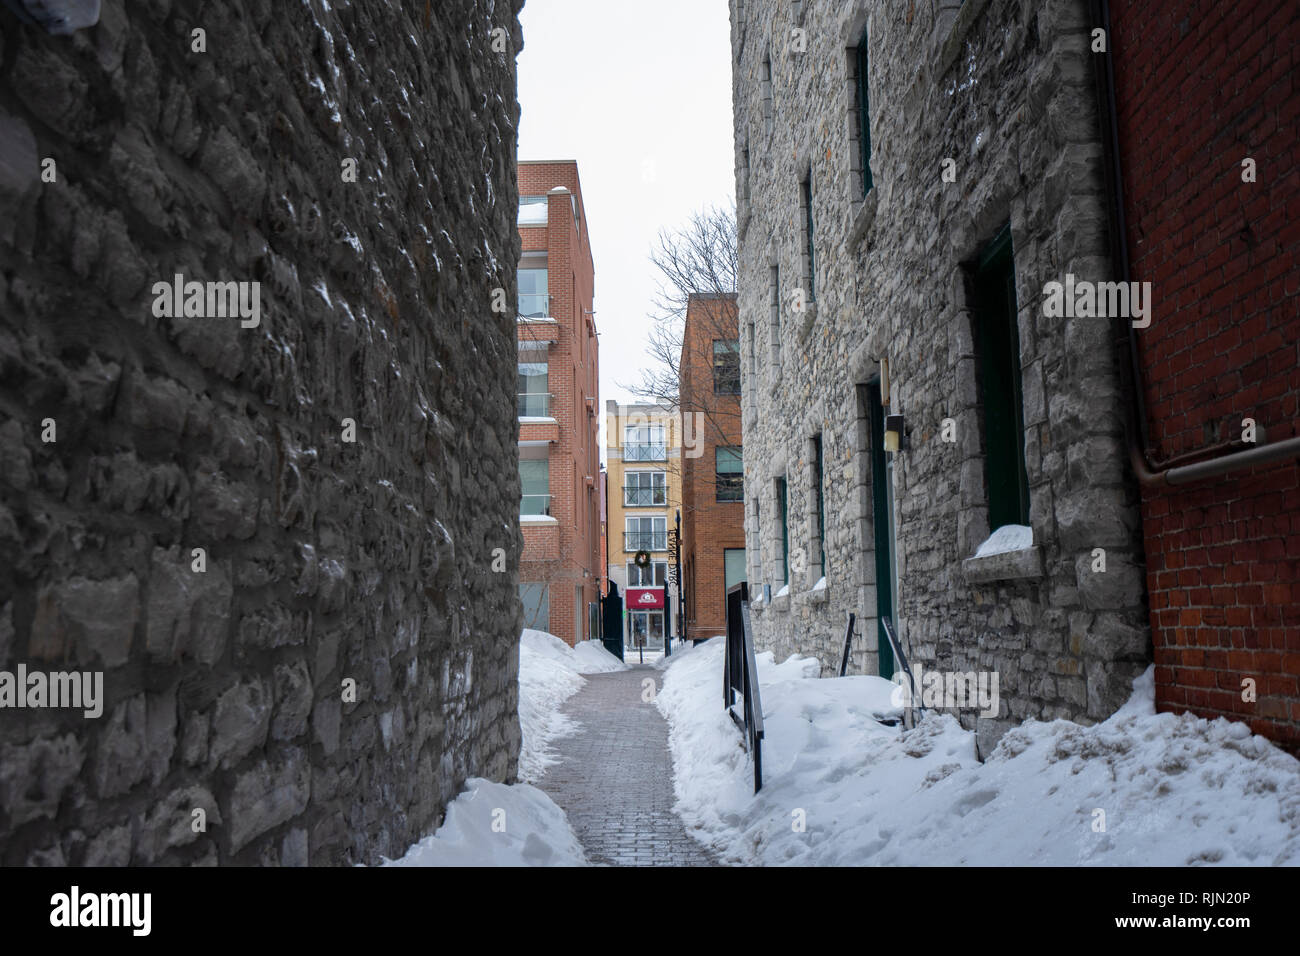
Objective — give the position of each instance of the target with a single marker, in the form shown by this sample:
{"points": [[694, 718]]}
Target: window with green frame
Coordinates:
{"points": [[820, 497], [997, 346], [785, 530], [808, 237], [864, 112]]}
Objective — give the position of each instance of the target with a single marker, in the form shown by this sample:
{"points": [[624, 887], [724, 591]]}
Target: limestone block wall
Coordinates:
{"points": [[273, 539], [1003, 89]]}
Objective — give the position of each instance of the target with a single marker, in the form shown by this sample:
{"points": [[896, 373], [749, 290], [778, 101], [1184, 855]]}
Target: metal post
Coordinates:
{"points": [[681, 585]]}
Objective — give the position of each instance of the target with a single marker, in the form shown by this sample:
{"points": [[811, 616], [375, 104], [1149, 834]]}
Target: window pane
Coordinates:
{"points": [[536, 599], [533, 301], [534, 481], [532, 210], [733, 566], [729, 461]]}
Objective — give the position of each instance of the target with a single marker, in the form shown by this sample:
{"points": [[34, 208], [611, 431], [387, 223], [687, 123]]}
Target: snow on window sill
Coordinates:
{"points": [[818, 593], [1009, 537], [1008, 554], [537, 519], [537, 420]]}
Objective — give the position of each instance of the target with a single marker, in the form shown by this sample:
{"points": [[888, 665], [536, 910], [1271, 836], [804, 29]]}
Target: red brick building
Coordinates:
{"points": [[559, 454], [1206, 110], [713, 499]]}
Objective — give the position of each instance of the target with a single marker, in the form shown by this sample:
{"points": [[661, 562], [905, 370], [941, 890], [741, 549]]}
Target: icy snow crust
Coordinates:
{"points": [[531, 831], [1175, 790]]}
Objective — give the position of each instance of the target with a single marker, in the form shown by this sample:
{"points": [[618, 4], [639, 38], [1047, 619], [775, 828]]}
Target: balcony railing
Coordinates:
{"points": [[656, 452], [642, 496], [534, 504], [534, 305], [534, 404], [645, 541]]}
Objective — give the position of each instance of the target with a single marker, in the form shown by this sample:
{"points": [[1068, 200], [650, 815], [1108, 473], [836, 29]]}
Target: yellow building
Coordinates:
{"points": [[643, 459]]}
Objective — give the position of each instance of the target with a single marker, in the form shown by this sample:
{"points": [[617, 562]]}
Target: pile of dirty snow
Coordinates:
{"points": [[841, 788], [491, 824]]}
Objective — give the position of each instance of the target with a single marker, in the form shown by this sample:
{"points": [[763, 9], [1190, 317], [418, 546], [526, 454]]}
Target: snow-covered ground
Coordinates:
{"points": [[493, 824], [840, 788]]}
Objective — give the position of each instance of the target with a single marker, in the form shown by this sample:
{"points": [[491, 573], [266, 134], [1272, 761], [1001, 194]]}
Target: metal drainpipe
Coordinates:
{"points": [[1149, 474]]}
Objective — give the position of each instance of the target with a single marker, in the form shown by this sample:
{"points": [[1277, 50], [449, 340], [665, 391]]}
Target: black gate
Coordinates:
{"points": [[612, 632]]}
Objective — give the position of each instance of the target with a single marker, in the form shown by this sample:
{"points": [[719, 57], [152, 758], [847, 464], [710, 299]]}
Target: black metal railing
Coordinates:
{"points": [[848, 644], [637, 495], [654, 452], [914, 700], [740, 676], [645, 540]]}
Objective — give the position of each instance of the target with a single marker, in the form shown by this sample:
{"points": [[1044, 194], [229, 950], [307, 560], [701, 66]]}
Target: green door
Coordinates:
{"points": [[882, 521]]}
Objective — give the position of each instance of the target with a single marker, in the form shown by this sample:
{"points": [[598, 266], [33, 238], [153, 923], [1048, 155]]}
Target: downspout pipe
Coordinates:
{"points": [[1153, 474]]}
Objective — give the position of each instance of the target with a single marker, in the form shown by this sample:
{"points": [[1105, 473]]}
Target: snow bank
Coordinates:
{"points": [[590, 657], [840, 788], [491, 824], [550, 672], [547, 679]]}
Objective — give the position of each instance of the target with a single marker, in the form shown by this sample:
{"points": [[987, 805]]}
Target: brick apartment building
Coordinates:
{"points": [[1211, 217], [559, 451], [643, 457], [713, 492]]}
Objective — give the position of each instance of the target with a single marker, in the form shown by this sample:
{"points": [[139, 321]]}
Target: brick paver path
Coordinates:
{"points": [[615, 776]]}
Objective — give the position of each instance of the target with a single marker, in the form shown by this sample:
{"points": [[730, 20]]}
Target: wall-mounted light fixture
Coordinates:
{"points": [[895, 437]]}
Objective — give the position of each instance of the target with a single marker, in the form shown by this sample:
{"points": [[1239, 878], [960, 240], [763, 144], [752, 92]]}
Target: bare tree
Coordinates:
{"points": [[699, 257]]}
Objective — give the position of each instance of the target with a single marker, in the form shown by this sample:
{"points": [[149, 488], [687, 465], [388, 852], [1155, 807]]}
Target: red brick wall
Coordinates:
{"points": [[1200, 87], [709, 526], [569, 554]]}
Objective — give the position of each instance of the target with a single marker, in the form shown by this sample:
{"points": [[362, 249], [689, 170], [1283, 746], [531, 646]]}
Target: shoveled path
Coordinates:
{"points": [[614, 778]]}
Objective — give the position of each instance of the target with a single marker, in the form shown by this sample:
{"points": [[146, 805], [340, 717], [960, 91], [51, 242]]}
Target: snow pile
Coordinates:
{"points": [[1010, 537], [550, 672], [491, 824], [840, 788], [590, 657], [547, 679]]}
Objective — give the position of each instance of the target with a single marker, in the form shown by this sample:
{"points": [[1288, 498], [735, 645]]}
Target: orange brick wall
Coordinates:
{"points": [[709, 526], [1218, 83], [567, 554]]}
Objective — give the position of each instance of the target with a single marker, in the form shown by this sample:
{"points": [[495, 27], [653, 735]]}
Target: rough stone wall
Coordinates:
{"points": [[327, 560], [1004, 88]]}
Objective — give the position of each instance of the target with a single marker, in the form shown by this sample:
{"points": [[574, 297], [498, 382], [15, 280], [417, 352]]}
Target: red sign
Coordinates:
{"points": [[643, 598]]}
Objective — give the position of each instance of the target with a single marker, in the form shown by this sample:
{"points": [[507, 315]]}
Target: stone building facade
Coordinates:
{"points": [[272, 536], [559, 415], [713, 498], [907, 262]]}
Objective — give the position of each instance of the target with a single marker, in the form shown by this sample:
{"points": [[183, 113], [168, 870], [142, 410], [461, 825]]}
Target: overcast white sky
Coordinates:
{"points": [[640, 95]]}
